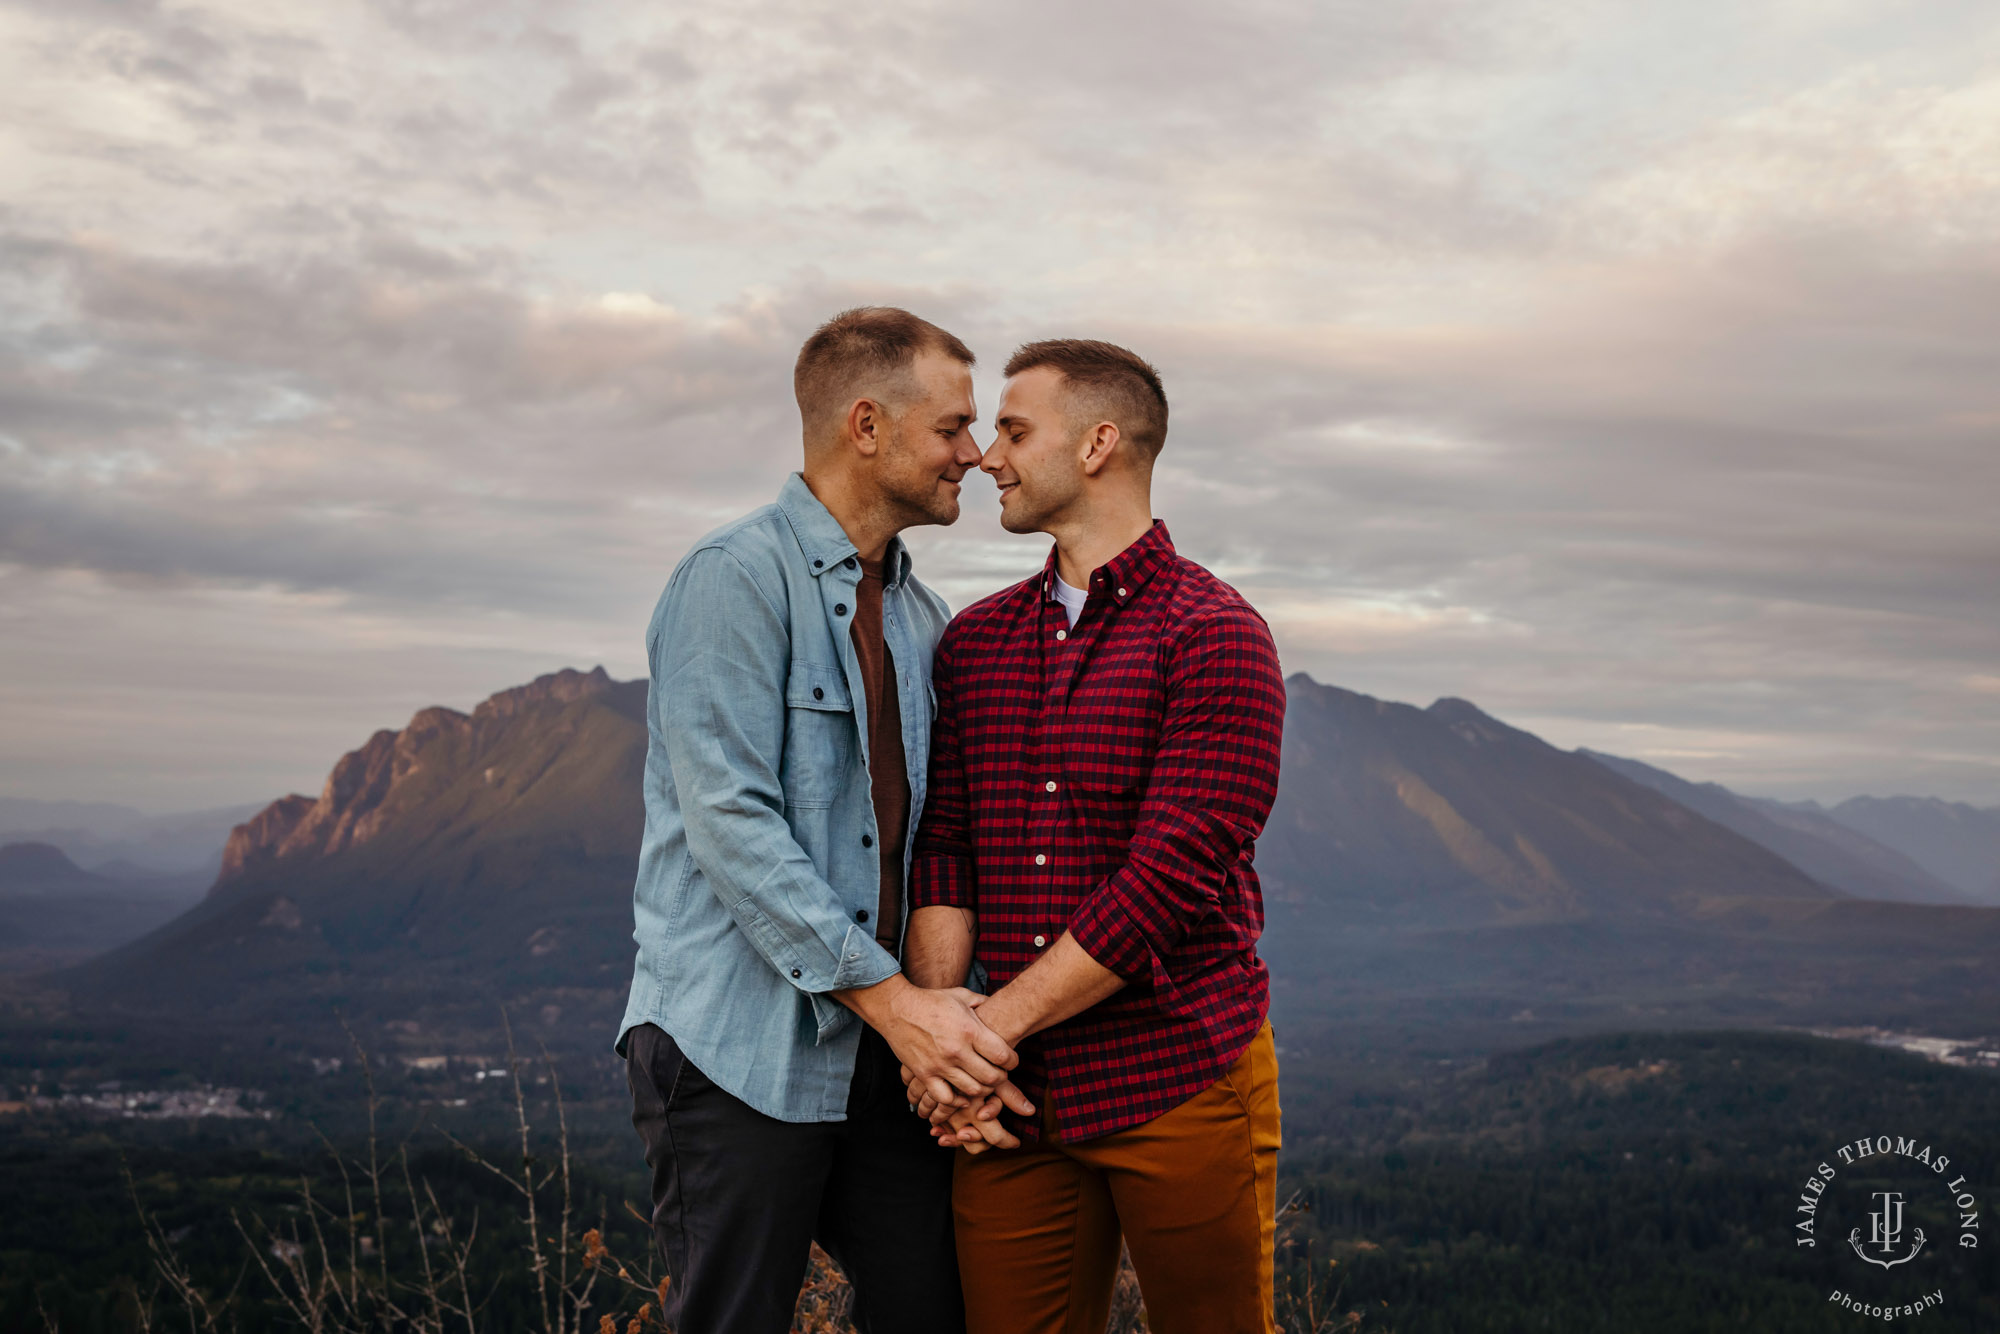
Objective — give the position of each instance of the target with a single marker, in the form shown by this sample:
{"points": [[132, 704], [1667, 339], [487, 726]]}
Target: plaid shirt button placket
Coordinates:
{"points": [[1110, 779]]}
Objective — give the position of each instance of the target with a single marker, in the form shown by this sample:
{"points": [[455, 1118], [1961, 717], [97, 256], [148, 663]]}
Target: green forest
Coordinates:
{"points": [[1628, 1183]]}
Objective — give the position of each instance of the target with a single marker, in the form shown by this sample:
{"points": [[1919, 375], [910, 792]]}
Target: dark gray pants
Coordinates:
{"points": [[739, 1197]]}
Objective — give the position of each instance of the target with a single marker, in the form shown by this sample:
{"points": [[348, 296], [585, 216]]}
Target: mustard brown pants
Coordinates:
{"points": [[1192, 1192]]}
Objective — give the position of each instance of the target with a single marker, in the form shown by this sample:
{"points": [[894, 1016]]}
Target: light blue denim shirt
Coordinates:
{"points": [[760, 846]]}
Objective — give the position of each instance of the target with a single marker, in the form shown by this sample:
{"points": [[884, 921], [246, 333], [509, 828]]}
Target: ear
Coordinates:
{"points": [[866, 426], [1098, 447]]}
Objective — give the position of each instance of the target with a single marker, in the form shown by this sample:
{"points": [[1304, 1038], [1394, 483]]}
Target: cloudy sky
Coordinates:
{"points": [[1630, 369]]}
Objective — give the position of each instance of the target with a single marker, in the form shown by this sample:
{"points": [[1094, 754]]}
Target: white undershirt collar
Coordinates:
{"points": [[1072, 599]]}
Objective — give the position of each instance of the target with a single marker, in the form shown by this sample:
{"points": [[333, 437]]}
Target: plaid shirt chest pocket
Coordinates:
{"points": [[820, 735], [1108, 735]]}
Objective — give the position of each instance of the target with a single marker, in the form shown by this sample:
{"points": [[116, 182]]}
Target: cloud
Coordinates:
{"points": [[366, 420], [1617, 370]]}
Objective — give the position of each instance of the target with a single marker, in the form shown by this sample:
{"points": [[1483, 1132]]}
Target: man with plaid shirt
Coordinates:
{"points": [[1104, 757]]}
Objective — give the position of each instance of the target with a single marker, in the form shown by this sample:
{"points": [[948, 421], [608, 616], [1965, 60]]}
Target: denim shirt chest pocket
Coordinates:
{"points": [[820, 734]]}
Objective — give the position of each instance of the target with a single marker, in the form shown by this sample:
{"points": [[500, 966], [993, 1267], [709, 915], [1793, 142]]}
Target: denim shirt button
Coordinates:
{"points": [[868, 840], [861, 915], [795, 972], [818, 693], [840, 609]]}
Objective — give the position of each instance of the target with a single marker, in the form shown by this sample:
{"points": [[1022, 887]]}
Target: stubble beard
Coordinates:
{"points": [[915, 493], [1018, 517], [1030, 513]]}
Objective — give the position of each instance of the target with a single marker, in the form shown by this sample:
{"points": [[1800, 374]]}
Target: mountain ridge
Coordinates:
{"points": [[40, 865], [495, 846], [1419, 862], [1953, 840], [97, 835], [373, 785], [1426, 803], [54, 912], [1817, 844]]}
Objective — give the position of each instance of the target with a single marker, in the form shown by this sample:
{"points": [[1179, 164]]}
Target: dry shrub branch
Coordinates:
{"points": [[346, 1267]]}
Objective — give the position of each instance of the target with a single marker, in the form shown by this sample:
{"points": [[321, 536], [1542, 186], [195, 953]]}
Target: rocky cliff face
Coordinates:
{"points": [[460, 859], [372, 788], [477, 858]]}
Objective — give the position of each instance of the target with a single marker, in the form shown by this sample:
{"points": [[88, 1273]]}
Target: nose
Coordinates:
{"points": [[968, 455]]}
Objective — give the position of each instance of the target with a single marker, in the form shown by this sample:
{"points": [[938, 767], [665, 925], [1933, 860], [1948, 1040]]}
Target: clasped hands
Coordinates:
{"points": [[953, 1066], [964, 1106], [974, 1124]]}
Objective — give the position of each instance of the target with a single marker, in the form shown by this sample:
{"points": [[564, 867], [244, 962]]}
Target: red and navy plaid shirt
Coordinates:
{"points": [[1110, 781]]}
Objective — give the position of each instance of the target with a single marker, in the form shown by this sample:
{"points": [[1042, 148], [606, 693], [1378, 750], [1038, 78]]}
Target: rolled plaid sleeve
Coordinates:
{"points": [[1213, 780], [941, 867], [1107, 777]]}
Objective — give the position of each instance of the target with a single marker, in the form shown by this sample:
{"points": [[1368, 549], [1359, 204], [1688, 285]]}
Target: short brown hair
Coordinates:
{"points": [[1113, 380], [863, 351]]}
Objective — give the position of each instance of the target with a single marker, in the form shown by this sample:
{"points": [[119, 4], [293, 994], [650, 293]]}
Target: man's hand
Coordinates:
{"points": [[921, 1101], [977, 1129], [945, 1049], [928, 1107]]}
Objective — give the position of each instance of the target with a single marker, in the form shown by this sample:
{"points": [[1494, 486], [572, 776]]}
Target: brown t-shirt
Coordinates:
{"points": [[889, 777]]}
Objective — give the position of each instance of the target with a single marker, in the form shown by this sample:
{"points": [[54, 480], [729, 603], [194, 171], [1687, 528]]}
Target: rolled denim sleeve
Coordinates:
{"points": [[720, 653]]}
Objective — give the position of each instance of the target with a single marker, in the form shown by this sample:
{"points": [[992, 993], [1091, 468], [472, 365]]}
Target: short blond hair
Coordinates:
{"points": [[861, 353]]}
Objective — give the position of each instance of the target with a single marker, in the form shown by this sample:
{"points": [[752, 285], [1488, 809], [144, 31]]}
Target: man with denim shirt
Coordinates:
{"points": [[788, 748]]}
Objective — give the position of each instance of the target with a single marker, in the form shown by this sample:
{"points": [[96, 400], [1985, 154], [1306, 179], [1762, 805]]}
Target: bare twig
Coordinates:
{"points": [[352, 1297], [579, 1300], [374, 1165], [167, 1263], [538, 1261], [458, 1255], [302, 1312], [430, 1291], [323, 1285]]}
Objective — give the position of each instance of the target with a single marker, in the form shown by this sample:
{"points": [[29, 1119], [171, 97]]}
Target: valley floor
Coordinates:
{"points": [[1611, 1184]]}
